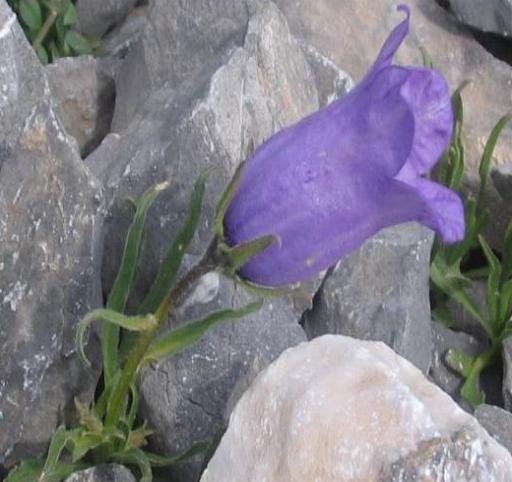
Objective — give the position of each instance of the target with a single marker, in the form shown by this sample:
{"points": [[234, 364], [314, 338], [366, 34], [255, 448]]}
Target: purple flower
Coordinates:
{"points": [[326, 184]]}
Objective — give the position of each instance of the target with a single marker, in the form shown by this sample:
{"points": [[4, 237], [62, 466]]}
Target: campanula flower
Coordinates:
{"points": [[326, 184]]}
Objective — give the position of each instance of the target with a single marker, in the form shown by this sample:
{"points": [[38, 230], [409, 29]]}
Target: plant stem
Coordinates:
{"points": [[173, 300], [47, 25]]}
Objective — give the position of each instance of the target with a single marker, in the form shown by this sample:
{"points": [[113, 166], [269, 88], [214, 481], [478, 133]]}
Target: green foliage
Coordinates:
{"points": [[50, 26], [109, 429], [450, 277]]}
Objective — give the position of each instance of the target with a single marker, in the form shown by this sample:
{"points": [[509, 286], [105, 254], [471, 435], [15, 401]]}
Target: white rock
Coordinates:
{"points": [[340, 409]]}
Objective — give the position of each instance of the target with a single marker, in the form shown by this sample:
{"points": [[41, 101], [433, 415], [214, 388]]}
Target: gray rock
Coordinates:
{"points": [[497, 422], [97, 16], [180, 38], [507, 373], [439, 372], [381, 292], [85, 97], [50, 208], [350, 34], [487, 15], [103, 473]]}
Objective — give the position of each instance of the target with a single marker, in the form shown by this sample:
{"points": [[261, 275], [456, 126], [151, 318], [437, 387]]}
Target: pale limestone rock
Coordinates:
{"points": [[338, 409]]}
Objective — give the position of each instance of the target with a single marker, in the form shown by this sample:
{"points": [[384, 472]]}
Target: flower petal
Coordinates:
{"points": [[428, 96], [444, 211], [393, 42]]}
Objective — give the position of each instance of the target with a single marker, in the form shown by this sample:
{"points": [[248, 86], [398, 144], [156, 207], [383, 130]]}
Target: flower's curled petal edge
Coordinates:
{"points": [[444, 211], [393, 42]]}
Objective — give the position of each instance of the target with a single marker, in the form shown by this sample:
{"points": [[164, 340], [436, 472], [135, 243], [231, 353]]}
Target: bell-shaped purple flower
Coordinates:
{"points": [[326, 184]]}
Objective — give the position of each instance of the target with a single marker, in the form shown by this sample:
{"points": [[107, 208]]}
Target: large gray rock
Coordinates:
{"points": [[85, 95], [103, 473], [381, 292], [49, 253], [497, 422], [97, 16], [351, 33], [487, 15], [180, 39], [338, 409]]}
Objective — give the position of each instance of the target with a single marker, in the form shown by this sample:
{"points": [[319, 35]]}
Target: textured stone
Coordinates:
{"points": [[85, 97], [351, 33], [507, 374], [381, 292], [487, 15], [180, 39], [497, 422], [97, 16], [344, 410], [445, 339], [103, 473], [50, 208]]}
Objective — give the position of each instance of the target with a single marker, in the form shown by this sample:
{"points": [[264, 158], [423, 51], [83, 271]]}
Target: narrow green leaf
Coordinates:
{"points": [[84, 441], [168, 272], [58, 443], [263, 291], [506, 272], [27, 470], [70, 15], [132, 323], [459, 362], [237, 256], [181, 338], [164, 461], [31, 15], [125, 278], [485, 162], [136, 457], [134, 406], [42, 54], [77, 42], [471, 391], [506, 303], [225, 200], [427, 60], [493, 285]]}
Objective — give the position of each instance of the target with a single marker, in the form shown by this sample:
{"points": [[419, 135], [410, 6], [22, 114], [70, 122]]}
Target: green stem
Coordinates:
{"points": [[173, 300], [47, 25]]}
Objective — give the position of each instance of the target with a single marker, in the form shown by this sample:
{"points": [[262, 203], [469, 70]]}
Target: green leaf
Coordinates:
{"points": [[506, 271], [132, 323], [235, 257], [30, 13], [77, 42], [125, 278], [84, 441], [42, 54], [471, 391], [493, 285], [506, 302], [485, 162], [181, 338], [459, 362], [164, 461], [70, 15], [58, 443], [427, 60], [27, 470], [168, 272], [225, 200], [139, 458], [134, 406]]}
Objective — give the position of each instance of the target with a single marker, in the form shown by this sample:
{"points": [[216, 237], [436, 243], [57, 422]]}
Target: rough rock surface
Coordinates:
{"points": [[497, 422], [487, 15], [49, 252], [103, 473], [311, 415], [351, 34], [381, 292], [97, 16], [210, 121], [85, 95], [445, 339], [507, 374]]}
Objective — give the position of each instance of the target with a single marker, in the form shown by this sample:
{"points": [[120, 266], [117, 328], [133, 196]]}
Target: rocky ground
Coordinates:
{"points": [[183, 86]]}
